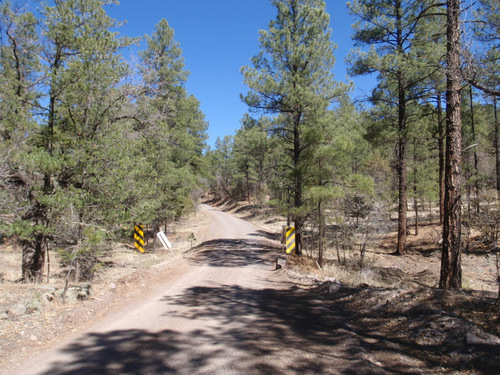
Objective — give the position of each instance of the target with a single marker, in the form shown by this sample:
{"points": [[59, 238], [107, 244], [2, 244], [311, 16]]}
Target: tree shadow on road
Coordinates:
{"points": [[234, 252], [271, 331], [269, 235], [280, 329]]}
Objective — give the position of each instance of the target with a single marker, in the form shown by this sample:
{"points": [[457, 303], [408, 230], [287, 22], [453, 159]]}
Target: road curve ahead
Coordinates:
{"points": [[228, 312]]}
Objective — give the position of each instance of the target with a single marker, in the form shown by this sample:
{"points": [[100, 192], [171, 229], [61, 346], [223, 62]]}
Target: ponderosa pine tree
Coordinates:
{"points": [[335, 173], [73, 126], [432, 46], [250, 153], [19, 68], [222, 164], [92, 139], [483, 68], [172, 131], [77, 76], [389, 28], [292, 78]]}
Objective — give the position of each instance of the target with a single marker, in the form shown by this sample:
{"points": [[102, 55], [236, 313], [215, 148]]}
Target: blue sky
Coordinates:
{"points": [[217, 38]]}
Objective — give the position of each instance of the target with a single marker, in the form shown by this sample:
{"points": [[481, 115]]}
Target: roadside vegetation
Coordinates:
{"points": [[90, 144], [420, 149], [409, 176]]}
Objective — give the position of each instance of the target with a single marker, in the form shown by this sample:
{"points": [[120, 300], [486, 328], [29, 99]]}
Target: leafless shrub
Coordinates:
{"points": [[488, 223]]}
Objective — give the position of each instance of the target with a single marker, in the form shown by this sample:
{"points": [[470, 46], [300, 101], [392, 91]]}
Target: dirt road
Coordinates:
{"points": [[225, 310]]}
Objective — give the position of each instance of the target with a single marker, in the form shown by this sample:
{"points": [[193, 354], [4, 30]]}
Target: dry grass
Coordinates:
{"points": [[419, 267]]}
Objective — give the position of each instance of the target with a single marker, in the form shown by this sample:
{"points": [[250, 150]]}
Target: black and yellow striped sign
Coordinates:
{"points": [[139, 237], [290, 240]]}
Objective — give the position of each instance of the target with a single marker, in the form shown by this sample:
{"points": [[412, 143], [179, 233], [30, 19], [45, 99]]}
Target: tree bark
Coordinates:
{"points": [[441, 145], [476, 160], [247, 178], [403, 198], [496, 146], [402, 140], [321, 233], [415, 190], [298, 181], [297, 218], [402, 175], [451, 267], [33, 259]]}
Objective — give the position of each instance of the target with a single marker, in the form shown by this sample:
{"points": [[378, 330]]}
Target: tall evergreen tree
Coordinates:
{"points": [[250, 153], [291, 77], [85, 149], [432, 46], [336, 170], [483, 68], [78, 79], [172, 129], [389, 28], [19, 70], [221, 163]]}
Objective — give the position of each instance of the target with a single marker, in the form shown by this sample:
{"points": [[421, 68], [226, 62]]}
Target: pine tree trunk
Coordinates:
{"points": [[47, 258], [441, 140], [403, 199], [467, 221], [321, 221], [476, 160], [321, 233], [33, 251], [247, 177], [498, 276], [298, 221], [402, 140], [415, 199], [451, 267], [496, 146], [33, 260]]}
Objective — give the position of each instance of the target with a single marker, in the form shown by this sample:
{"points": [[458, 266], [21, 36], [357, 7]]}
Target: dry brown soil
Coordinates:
{"points": [[392, 304], [394, 301], [30, 323]]}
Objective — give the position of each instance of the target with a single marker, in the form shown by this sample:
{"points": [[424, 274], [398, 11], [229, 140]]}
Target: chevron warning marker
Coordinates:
{"points": [[139, 237], [290, 240]]}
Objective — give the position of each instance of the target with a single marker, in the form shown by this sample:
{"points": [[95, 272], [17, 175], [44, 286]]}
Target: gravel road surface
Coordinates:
{"points": [[224, 311]]}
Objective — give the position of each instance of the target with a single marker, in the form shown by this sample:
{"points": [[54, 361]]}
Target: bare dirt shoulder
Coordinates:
{"points": [[33, 317]]}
